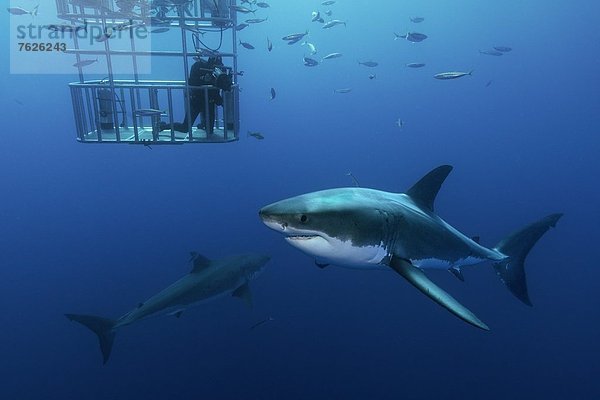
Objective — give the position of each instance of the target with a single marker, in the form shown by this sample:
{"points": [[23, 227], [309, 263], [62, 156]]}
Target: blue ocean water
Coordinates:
{"points": [[97, 229]]}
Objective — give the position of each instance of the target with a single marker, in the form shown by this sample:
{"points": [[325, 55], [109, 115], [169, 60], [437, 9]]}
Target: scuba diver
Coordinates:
{"points": [[202, 73]]}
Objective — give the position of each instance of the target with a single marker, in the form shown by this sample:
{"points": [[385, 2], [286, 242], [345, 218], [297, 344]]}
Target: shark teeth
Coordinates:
{"points": [[301, 237]]}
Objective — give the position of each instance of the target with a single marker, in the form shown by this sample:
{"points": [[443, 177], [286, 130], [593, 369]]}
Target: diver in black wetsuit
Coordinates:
{"points": [[202, 73]]}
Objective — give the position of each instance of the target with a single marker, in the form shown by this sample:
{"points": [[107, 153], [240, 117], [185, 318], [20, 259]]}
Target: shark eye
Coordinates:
{"points": [[303, 218]]}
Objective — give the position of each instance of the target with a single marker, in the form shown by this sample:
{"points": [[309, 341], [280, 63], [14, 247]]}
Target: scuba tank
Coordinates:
{"points": [[105, 109]]}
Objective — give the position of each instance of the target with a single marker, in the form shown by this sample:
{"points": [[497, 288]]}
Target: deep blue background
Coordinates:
{"points": [[96, 229]]}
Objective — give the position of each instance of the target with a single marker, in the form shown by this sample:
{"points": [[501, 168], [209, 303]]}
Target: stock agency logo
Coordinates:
{"points": [[40, 45]]}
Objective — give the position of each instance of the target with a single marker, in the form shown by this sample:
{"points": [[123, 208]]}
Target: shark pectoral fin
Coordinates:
{"points": [[419, 280], [243, 292]]}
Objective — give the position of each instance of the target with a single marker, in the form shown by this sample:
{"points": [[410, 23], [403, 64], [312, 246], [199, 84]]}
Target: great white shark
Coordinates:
{"points": [[367, 228], [207, 279]]}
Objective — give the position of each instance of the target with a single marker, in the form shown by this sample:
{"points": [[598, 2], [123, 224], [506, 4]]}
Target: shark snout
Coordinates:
{"points": [[269, 219]]}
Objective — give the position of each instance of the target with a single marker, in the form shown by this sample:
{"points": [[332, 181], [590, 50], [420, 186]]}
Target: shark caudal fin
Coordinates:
{"points": [[101, 327], [516, 247]]}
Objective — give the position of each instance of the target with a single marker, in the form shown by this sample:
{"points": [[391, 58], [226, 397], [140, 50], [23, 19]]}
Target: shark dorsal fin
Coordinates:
{"points": [[426, 189], [199, 262]]}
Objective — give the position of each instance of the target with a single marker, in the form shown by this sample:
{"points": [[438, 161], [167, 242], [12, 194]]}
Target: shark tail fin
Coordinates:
{"points": [[102, 327], [516, 247]]}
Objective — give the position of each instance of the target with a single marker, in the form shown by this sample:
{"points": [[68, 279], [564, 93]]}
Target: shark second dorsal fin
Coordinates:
{"points": [[199, 262], [426, 189]]}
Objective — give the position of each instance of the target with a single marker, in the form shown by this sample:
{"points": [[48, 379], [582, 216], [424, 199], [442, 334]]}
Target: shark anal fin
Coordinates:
{"points": [[457, 273], [426, 189], [418, 279], [243, 292], [321, 265]]}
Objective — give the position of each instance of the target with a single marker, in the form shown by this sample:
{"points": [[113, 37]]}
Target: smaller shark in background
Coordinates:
{"points": [[367, 228], [207, 279]]}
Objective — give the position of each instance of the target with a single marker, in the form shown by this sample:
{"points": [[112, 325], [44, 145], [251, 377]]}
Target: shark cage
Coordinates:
{"points": [[119, 40]]}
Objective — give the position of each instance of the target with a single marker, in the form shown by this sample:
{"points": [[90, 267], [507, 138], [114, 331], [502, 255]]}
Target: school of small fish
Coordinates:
{"points": [[323, 17], [326, 22]]}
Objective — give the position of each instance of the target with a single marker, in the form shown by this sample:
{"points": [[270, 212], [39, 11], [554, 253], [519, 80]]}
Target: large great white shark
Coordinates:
{"points": [[207, 279], [367, 228]]}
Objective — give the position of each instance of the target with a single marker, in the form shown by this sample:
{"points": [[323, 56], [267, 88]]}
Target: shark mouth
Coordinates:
{"points": [[301, 237]]}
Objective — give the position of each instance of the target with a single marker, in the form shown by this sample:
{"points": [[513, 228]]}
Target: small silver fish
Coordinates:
{"points": [[160, 30], [256, 135], [242, 9], [104, 37], [273, 94], [247, 45], [415, 65], [370, 64], [128, 25], [262, 5], [451, 75], [315, 16], [372, 76], [67, 28], [269, 45], [333, 23], [328, 3], [241, 26], [311, 47], [503, 49], [148, 112], [256, 20], [491, 52], [414, 37], [22, 11], [331, 55], [342, 90], [417, 20], [295, 36], [310, 62], [85, 63]]}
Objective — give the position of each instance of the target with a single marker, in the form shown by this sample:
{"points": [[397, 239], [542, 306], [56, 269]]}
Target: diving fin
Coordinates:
{"points": [[418, 279]]}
